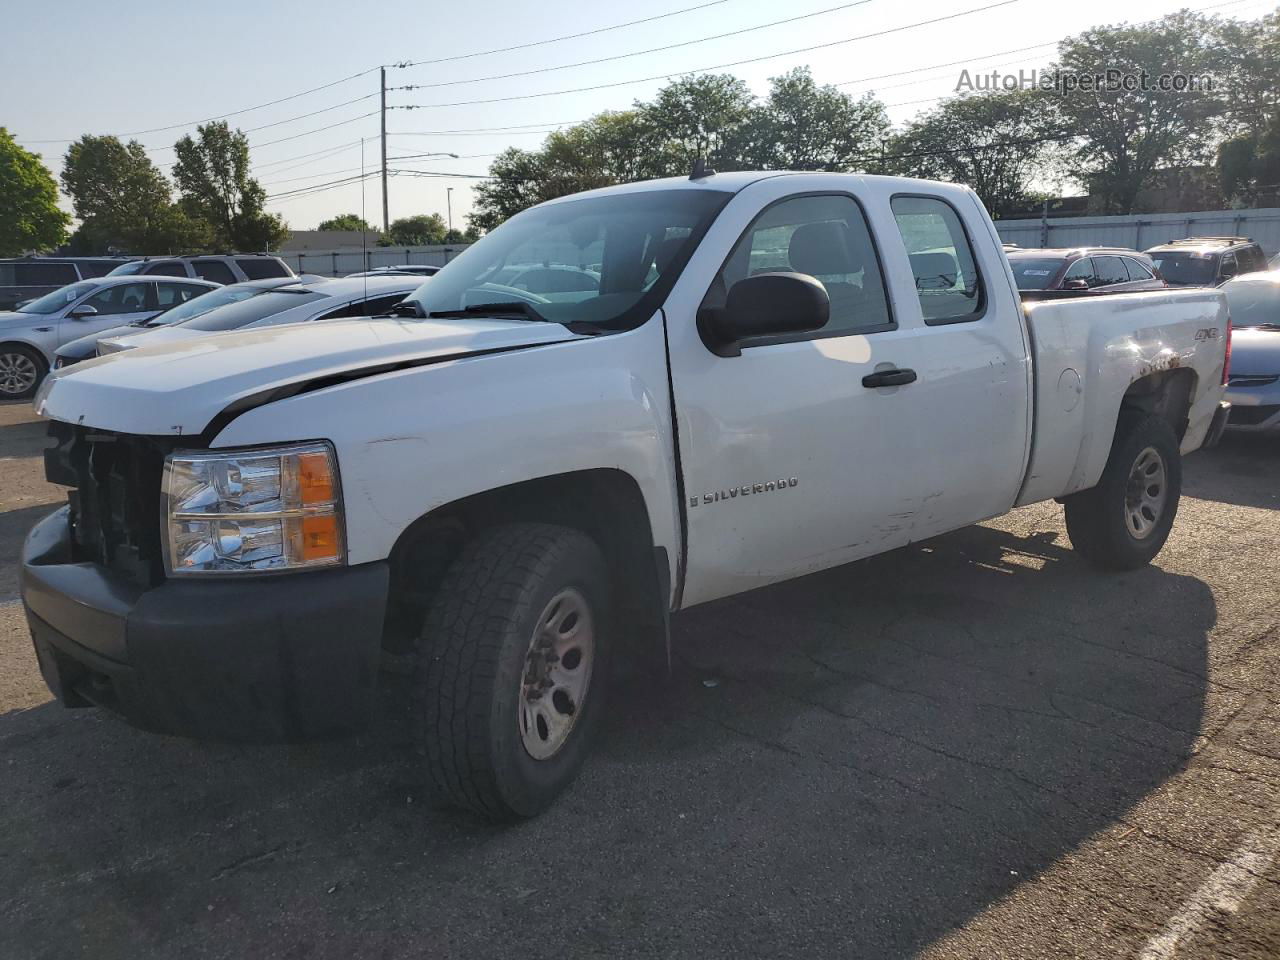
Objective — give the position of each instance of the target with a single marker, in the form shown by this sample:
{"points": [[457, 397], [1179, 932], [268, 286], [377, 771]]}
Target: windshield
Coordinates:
{"points": [[202, 304], [1034, 273], [1187, 269], [53, 302], [1253, 303], [259, 306], [126, 269], [606, 260]]}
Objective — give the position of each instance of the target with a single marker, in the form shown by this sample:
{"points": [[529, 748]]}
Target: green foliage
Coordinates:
{"points": [[29, 215], [994, 143], [417, 231], [123, 201], [712, 117], [212, 173], [1125, 136], [347, 221]]}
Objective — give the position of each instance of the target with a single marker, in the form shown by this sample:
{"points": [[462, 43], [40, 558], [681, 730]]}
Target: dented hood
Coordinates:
{"points": [[178, 388]]}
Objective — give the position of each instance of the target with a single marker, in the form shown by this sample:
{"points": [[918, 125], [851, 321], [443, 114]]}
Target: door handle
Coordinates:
{"points": [[889, 378]]}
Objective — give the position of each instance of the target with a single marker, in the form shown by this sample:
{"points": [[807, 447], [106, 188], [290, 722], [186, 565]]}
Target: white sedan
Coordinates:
{"points": [[296, 303]]}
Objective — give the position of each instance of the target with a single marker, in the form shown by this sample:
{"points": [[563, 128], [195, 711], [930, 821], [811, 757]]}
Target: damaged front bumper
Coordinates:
{"points": [[252, 659]]}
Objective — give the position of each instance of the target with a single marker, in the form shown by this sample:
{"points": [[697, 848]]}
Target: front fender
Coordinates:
{"points": [[413, 440]]}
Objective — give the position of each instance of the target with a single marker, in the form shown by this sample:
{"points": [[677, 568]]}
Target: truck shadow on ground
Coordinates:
{"points": [[852, 764]]}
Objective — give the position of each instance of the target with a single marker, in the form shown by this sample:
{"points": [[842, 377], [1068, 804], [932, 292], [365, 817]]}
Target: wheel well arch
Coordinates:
{"points": [[605, 503], [27, 344], [1164, 393]]}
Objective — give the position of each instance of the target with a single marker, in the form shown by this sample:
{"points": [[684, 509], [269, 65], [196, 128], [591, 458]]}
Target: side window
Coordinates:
{"points": [[942, 260], [96, 268], [825, 237], [1082, 269], [1137, 270], [262, 268], [377, 306], [214, 270], [171, 294], [1111, 271], [167, 268], [120, 298], [45, 274], [1228, 267]]}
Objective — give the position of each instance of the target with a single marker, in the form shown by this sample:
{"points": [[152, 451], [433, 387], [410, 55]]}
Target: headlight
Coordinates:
{"points": [[252, 510]]}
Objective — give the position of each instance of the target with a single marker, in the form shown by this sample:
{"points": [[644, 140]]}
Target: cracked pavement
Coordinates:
{"points": [[973, 747]]}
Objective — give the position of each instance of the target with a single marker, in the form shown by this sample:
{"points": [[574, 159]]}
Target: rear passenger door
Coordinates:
{"points": [[793, 458]]}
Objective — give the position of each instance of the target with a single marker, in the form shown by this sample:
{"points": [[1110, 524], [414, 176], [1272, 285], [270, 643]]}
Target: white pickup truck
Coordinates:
{"points": [[616, 406]]}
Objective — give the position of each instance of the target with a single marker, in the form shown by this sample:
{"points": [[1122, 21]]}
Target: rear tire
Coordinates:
{"points": [[1123, 522], [22, 370], [512, 667]]}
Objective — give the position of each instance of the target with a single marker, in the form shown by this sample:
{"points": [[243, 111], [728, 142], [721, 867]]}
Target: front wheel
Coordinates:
{"points": [[1122, 523], [21, 370], [512, 667]]}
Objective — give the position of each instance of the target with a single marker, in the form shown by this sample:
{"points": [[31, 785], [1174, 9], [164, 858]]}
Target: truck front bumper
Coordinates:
{"points": [[254, 659]]}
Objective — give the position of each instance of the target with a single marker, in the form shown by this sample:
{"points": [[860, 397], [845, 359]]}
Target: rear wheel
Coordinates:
{"points": [[1123, 522], [512, 668], [21, 370]]}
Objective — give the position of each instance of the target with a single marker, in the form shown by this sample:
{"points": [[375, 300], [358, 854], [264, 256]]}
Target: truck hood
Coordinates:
{"points": [[1255, 352], [119, 340], [178, 388]]}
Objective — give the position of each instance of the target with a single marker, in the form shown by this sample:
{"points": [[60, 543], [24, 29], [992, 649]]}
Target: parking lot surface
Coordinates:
{"points": [[973, 747]]}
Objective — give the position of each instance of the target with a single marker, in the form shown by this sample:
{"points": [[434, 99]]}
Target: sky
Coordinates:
{"points": [[150, 71]]}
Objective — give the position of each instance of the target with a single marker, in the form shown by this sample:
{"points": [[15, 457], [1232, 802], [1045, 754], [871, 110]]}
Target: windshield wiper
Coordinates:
{"points": [[521, 307]]}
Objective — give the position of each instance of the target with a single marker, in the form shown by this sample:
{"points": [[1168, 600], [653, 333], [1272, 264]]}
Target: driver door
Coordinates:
{"points": [[114, 306]]}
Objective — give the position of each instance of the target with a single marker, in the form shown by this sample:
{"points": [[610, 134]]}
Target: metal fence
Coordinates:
{"points": [[339, 263], [1146, 230]]}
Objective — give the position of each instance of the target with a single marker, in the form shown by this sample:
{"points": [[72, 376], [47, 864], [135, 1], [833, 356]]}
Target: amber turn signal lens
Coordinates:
{"points": [[319, 538], [315, 479]]}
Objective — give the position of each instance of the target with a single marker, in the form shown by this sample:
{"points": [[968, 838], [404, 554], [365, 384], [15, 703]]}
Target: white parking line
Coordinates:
{"points": [[1224, 891]]}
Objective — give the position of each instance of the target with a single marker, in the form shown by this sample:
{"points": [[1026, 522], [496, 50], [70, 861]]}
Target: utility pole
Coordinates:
{"points": [[448, 199], [386, 216]]}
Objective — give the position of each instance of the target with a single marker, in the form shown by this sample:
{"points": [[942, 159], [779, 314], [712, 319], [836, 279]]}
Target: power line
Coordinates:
{"points": [[568, 36], [637, 53], [719, 66], [519, 126], [319, 187]]}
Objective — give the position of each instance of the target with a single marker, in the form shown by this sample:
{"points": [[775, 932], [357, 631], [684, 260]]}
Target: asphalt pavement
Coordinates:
{"points": [[976, 746]]}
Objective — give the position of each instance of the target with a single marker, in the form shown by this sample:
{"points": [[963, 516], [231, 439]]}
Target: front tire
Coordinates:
{"points": [[512, 667], [1124, 521], [21, 371]]}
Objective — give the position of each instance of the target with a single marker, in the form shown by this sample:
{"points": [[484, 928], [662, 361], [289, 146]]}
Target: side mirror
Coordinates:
{"points": [[766, 305], [82, 311], [1075, 283]]}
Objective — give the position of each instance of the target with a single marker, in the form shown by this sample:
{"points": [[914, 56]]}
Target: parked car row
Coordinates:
{"points": [[121, 312], [23, 279]]}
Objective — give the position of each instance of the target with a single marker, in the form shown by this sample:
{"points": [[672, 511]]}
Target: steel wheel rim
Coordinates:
{"points": [[17, 373], [1145, 493], [557, 674]]}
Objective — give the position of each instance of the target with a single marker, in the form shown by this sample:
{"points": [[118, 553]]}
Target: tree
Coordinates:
{"points": [[696, 117], [212, 173], [1126, 135], [124, 202], [802, 126], [29, 214], [347, 221], [418, 231], [995, 143]]}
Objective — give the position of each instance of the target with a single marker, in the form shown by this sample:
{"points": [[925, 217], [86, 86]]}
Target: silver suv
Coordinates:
{"points": [[30, 335], [224, 269]]}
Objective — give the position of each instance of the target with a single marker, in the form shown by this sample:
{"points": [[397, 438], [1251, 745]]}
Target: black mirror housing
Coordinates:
{"points": [[766, 305]]}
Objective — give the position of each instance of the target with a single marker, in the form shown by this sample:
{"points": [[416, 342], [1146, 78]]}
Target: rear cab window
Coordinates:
{"points": [[44, 274], [942, 260]]}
